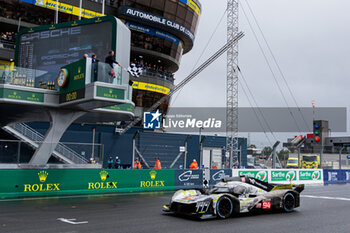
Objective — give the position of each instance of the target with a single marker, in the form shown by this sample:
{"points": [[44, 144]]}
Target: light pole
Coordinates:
{"points": [[200, 147], [80, 6], [103, 7], [56, 15], [93, 142]]}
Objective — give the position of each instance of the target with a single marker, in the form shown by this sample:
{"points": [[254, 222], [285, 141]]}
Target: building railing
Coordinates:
{"points": [[7, 44], [159, 74], [61, 148]]}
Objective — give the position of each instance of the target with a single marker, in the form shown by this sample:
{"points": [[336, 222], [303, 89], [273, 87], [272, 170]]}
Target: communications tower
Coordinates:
{"points": [[232, 83]]}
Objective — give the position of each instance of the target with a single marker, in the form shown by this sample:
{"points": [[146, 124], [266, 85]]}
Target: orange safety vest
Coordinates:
{"points": [[137, 165], [194, 165], [157, 165]]}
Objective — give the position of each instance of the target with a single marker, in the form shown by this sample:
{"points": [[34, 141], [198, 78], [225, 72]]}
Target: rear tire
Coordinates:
{"points": [[224, 207], [288, 202]]}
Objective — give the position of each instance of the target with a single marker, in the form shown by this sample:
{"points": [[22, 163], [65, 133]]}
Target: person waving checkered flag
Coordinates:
{"points": [[134, 70]]}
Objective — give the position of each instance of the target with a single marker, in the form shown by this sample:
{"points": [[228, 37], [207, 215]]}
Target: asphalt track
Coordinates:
{"points": [[323, 209]]}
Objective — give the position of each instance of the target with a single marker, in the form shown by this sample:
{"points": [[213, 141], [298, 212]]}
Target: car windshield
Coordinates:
{"points": [[309, 158], [220, 190], [293, 161]]}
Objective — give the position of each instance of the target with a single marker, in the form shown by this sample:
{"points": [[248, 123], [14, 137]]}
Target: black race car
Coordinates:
{"points": [[235, 195]]}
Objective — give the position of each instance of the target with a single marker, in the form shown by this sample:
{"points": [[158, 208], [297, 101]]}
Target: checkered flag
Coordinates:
{"points": [[134, 70]]}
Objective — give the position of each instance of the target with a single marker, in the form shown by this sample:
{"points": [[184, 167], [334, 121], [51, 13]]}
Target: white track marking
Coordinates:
{"points": [[329, 198], [71, 221]]}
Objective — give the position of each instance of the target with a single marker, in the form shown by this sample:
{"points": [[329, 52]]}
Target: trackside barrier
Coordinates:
{"points": [[216, 175], [46, 182], [187, 179], [283, 176], [334, 176], [55, 182]]}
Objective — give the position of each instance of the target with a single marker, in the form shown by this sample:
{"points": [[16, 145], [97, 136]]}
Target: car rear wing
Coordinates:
{"points": [[298, 188]]}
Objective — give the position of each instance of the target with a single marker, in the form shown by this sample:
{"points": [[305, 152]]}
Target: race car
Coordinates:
{"points": [[235, 195]]}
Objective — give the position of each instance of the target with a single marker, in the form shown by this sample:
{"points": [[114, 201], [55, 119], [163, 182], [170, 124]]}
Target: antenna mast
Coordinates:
{"points": [[232, 84]]}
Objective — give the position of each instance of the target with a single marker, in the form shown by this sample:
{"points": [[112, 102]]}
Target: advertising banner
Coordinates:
{"points": [[310, 175], [153, 32], [216, 175], [148, 17], [336, 176], [258, 174], [42, 182], [75, 88], [63, 7], [22, 95], [284, 176], [185, 179], [150, 87]]}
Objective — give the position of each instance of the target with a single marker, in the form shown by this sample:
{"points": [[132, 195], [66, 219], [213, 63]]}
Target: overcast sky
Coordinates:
{"points": [[310, 40]]}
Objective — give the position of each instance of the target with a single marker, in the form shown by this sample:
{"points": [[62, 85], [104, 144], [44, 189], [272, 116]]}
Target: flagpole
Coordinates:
{"points": [[313, 110], [56, 16], [80, 6], [103, 7]]}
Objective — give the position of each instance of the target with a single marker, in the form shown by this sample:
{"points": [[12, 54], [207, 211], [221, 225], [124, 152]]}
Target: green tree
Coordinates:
{"points": [[283, 155], [266, 151]]}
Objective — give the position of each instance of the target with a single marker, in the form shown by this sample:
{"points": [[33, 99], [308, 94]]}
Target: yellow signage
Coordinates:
{"points": [[194, 6], [41, 187], [66, 8], [6, 65], [150, 87], [153, 182], [103, 185]]}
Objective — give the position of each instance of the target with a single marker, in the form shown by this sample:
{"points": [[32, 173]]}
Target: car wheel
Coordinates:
{"points": [[288, 202], [224, 207]]}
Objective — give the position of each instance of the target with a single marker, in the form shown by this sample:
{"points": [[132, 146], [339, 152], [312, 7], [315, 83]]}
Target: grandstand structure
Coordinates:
{"points": [[161, 32]]}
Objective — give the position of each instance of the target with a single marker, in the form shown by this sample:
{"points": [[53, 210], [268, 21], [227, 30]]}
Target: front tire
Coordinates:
{"points": [[288, 202], [224, 207]]}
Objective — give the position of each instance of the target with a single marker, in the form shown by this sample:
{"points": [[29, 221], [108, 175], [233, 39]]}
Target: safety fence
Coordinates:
{"points": [[56, 182]]}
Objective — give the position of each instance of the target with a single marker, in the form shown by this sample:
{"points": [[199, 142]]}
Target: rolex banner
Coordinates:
{"points": [[43, 182]]}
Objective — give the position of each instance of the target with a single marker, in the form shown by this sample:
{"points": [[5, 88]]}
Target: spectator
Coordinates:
{"points": [[8, 36], [110, 59], [94, 59], [157, 165], [92, 160], [94, 65], [86, 55], [110, 162], [194, 165], [117, 163]]}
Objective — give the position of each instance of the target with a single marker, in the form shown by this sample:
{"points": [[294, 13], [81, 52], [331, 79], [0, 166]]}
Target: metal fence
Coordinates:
{"points": [[18, 151]]}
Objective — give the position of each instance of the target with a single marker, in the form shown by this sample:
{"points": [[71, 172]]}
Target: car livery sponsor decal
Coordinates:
{"points": [[266, 205]]}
